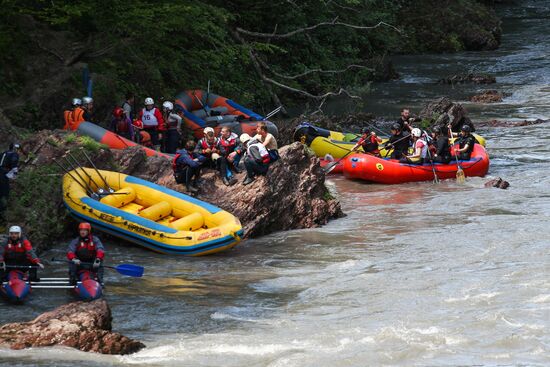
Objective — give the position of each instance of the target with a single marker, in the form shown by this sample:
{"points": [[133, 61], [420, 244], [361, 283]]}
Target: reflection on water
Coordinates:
{"points": [[416, 274]]}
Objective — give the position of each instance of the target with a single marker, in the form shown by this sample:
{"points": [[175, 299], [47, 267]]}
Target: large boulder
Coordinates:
{"points": [[488, 96], [443, 111], [291, 195], [82, 325]]}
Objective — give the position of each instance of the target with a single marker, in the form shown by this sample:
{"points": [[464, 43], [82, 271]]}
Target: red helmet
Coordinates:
{"points": [[138, 124], [85, 225], [118, 112]]}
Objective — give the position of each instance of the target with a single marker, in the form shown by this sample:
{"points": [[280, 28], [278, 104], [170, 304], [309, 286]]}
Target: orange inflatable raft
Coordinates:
{"points": [[389, 171], [202, 109]]}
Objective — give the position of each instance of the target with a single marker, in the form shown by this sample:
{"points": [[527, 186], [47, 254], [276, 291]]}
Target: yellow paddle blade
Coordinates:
{"points": [[460, 177]]}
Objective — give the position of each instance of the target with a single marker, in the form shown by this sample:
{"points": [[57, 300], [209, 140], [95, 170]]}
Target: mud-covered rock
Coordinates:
{"points": [[468, 78], [82, 325], [488, 96]]}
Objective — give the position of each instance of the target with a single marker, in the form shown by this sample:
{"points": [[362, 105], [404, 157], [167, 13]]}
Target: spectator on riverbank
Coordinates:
{"points": [[121, 124], [186, 166], [128, 105], [257, 158], [153, 122]]}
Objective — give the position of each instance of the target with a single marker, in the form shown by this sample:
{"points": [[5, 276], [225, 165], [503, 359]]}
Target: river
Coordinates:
{"points": [[416, 274]]}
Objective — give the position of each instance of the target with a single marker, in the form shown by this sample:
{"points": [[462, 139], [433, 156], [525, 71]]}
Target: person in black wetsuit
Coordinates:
{"points": [[442, 153], [405, 120], [399, 141], [466, 142]]}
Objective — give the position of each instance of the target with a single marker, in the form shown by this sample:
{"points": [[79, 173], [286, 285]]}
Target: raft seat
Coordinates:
{"points": [[132, 208], [157, 211], [190, 222], [121, 198]]}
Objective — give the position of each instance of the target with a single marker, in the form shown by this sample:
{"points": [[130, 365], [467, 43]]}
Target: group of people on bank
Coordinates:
{"points": [[84, 253], [434, 146], [224, 153], [151, 126]]}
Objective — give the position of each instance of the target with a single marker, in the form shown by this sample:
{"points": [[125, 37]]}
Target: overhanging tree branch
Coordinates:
{"points": [[332, 23], [311, 71]]}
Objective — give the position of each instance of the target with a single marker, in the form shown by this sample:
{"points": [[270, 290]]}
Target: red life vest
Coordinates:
{"points": [[205, 145], [370, 145], [16, 253], [229, 144], [174, 164], [86, 250], [122, 125]]}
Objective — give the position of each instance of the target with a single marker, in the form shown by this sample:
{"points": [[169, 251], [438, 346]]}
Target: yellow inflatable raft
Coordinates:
{"points": [[335, 143], [149, 215]]}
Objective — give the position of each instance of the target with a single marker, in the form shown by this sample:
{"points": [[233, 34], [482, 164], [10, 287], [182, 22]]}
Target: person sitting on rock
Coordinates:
{"points": [[420, 146], [186, 166], [86, 252], [17, 254], [466, 142], [69, 114], [209, 147], [265, 137], [121, 124], [405, 120], [398, 141], [442, 152], [369, 142], [230, 151], [257, 158]]}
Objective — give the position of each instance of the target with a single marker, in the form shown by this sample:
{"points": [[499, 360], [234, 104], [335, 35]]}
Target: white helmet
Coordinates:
{"points": [[77, 102], [149, 101], [15, 229], [244, 138], [208, 130], [86, 100], [168, 105], [416, 132]]}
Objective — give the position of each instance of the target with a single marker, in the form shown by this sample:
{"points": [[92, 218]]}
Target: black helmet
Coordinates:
{"points": [[365, 130], [436, 130], [465, 128], [396, 127]]}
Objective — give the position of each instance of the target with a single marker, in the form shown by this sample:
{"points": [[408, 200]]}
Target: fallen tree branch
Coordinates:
{"points": [[334, 22], [311, 71], [307, 94]]}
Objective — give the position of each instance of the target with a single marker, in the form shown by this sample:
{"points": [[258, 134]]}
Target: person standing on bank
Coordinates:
{"points": [[9, 165]]}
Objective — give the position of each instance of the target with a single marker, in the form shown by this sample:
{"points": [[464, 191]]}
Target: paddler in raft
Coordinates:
{"points": [[17, 254], [466, 142], [86, 252], [420, 147], [398, 141], [441, 152], [369, 142]]}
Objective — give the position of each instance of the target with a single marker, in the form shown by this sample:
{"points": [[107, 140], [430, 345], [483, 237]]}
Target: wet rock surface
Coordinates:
{"points": [[502, 123], [82, 325], [468, 78], [443, 112], [488, 96], [498, 183]]}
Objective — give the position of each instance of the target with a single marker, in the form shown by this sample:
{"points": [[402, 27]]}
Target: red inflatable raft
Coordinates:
{"points": [[202, 109], [388, 171]]}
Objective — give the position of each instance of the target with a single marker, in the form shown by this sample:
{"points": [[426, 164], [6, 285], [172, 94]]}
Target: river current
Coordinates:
{"points": [[416, 274]]}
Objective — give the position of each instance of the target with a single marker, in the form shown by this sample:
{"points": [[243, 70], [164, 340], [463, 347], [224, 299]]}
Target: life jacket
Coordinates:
{"points": [[68, 117], [86, 250], [122, 125], [424, 151], [230, 144], [77, 117], [145, 139], [370, 145], [172, 121], [174, 162], [15, 253], [206, 145], [7, 160], [149, 119]]}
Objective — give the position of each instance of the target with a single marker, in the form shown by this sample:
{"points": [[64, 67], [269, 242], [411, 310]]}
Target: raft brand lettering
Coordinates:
{"points": [[107, 217], [213, 233], [141, 230]]}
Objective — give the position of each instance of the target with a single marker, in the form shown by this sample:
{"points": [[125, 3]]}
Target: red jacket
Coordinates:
{"points": [[160, 119], [16, 252]]}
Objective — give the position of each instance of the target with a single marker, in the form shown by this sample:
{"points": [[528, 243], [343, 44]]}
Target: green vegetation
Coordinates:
{"points": [[256, 52], [37, 206]]}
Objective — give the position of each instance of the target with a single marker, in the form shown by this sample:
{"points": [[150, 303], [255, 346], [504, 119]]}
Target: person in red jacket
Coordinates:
{"points": [[153, 121], [369, 142], [17, 251], [86, 252]]}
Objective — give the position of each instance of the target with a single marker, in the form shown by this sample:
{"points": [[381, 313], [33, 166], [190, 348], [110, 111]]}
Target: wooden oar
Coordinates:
{"points": [[130, 270], [460, 176]]}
